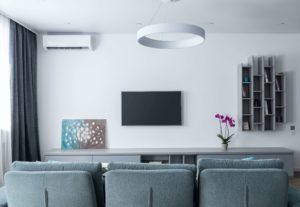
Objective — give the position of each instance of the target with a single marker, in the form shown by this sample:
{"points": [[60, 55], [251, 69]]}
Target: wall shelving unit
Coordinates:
{"points": [[262, 95]]}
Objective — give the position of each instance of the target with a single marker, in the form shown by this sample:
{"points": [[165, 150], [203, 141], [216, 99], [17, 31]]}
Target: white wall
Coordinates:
{"points": [[85, 84]]}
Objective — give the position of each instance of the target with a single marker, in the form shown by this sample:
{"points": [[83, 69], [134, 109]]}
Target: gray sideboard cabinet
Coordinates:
{"points": [[171, 155]]}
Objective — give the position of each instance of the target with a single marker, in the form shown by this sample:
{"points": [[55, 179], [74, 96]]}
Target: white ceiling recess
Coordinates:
{"points": [[127, 16]]}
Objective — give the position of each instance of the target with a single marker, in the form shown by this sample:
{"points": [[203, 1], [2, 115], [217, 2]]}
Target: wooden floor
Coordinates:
{"points": [[295, 181]]}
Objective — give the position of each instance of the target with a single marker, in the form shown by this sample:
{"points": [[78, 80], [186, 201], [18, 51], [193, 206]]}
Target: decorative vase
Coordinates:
{"points": [[224, 147]]}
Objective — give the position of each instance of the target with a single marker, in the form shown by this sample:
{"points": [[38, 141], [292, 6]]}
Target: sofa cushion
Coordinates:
{"points": [[239, 164], [243, 188], [149, 166], [95, 169], [50, 188], [144, 188]]}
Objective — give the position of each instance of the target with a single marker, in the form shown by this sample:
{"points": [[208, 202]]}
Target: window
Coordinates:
{"points": [[5, 111]]}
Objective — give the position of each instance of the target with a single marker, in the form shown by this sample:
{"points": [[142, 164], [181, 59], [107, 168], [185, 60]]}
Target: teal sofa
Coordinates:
{"points": [[213, 183]]}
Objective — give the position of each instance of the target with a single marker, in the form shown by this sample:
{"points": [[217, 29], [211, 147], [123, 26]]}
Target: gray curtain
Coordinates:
{"points": [[25, 136]]}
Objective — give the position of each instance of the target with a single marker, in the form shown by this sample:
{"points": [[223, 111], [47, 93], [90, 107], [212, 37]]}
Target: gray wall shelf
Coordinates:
{"points": [[262, 95]]}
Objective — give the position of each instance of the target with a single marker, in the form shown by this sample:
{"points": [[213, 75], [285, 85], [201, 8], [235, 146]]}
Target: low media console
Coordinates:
{"points": [[171, 155]]}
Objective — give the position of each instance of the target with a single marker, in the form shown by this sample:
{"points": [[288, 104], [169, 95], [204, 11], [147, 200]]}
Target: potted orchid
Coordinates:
{"points": [[225, 122]]}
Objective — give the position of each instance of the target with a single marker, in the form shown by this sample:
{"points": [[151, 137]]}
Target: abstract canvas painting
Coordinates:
{"points": [[83, 134]]}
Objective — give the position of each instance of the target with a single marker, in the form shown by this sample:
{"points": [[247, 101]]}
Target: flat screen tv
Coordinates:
{"points": [[151, 108]]}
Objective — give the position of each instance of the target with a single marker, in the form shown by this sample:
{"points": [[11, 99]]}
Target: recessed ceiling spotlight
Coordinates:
{"points": [[282, 23], [68, 23]]}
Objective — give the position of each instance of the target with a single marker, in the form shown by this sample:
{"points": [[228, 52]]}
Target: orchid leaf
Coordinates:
{"points": [[220, 136]]}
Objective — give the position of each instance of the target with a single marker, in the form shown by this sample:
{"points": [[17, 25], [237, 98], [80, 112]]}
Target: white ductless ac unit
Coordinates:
{"points": [[67, 42]]}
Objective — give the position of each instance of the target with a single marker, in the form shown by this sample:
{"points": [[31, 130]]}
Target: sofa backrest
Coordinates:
{"points": [[50, 189], [243, 188], [147, 166], [238, 164], [149, 188], [95, 169]]}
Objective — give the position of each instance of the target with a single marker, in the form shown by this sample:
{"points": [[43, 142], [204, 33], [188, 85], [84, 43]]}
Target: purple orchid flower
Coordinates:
{"points": [[225, 122]]}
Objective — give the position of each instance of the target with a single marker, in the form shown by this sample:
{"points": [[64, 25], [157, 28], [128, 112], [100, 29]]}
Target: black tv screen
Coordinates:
{"points": [[151, 108]]}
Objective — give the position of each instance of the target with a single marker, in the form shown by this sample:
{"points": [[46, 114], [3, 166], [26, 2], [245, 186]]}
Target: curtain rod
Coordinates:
{"points": [[27, 27]]}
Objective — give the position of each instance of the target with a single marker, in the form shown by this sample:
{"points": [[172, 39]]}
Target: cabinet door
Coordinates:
{"points": [[221, 156], [116, 158], [67, 158]]}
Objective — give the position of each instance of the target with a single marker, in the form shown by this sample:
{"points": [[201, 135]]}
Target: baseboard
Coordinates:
{"points": [[297, 169], [297, 172]]}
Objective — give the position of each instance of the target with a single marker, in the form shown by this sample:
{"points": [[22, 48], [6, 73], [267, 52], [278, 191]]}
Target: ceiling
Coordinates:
{"points": [[127, 16]]}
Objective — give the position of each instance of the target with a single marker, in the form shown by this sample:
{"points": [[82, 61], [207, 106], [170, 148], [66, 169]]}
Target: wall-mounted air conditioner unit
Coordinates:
{"points": [[68, 42]]}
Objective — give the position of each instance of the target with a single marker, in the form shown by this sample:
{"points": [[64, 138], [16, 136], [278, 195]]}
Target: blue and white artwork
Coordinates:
{"points": [[83, 134]]}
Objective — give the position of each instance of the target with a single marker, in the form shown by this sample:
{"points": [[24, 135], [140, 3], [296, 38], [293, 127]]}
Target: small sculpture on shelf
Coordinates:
{"points": [[225, 123]]}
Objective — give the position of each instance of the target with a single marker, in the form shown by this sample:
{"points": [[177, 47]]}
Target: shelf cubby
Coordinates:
{"points": [[280, 105], [247, 80], [164, 159], [169, 159]]}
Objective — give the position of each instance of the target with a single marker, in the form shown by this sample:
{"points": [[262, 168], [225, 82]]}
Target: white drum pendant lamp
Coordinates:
{"points": [[143, 35], [171, 28]]}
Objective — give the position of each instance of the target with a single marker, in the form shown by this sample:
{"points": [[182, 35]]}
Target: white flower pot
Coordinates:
{"points": [[224, 147]]}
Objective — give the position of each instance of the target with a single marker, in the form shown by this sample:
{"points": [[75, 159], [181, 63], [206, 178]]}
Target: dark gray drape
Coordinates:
{"points": [[25, 137]]}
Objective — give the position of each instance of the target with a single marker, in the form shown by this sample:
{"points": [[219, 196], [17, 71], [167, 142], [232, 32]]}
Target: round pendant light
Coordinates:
{"points": [[197, 32]]}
